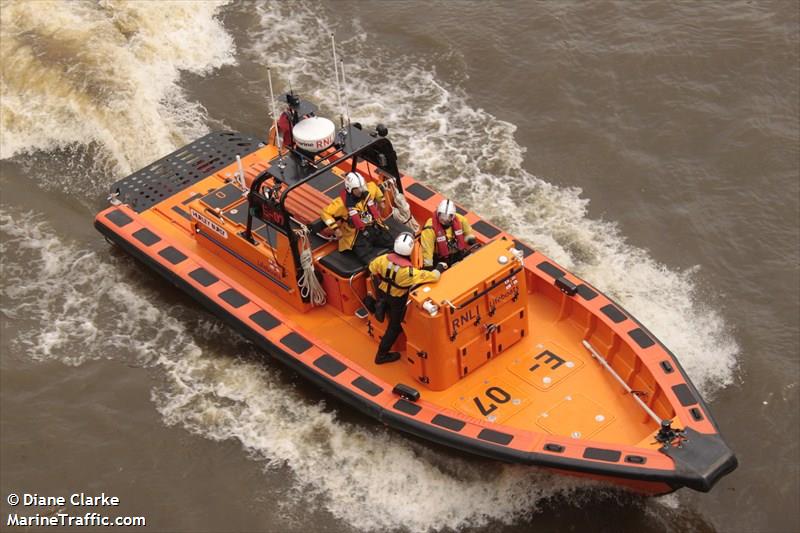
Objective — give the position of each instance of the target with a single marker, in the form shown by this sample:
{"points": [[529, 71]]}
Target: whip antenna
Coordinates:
{"points": [[274, 115], [344, 86], [336, 73]]}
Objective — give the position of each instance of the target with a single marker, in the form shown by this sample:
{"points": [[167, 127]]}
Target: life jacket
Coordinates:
{"points": [[442, 250], [350, 202], [395, 263]]}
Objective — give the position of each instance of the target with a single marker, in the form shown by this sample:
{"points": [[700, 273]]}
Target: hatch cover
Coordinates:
{"points": [[575, 416]]}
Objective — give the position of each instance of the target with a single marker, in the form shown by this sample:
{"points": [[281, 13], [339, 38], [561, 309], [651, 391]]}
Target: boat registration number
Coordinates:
{"points": [[210, 224], [494, 401]]}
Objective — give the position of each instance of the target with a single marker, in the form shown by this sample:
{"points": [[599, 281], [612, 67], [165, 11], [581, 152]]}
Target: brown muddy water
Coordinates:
{"points": [[650, 147]]}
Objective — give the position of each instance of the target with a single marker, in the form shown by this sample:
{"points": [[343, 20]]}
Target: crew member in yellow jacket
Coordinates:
{"points": [[397, 276], [354, 217], [446, 237]]}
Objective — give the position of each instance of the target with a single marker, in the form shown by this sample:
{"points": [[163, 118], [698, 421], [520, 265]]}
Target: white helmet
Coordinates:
{"points": [[446, 211], [404, 244], [354, 180]]}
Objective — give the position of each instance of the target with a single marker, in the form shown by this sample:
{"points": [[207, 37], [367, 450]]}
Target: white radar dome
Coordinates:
{"points": [[314, 134]]}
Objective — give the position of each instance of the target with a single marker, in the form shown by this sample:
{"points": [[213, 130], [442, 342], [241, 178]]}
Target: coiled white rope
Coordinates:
{"points": [[401, 211], [310, 286]]}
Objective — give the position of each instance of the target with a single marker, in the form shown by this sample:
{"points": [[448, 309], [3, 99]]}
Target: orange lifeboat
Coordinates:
{"points": [[509, 356]]}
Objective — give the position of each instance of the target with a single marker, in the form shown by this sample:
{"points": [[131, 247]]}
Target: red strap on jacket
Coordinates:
{"points": [[355, 217], [442, 250], [399, 260]]}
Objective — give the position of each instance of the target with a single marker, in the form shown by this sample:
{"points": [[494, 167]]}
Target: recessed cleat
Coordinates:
{"points": [[388, 357]]}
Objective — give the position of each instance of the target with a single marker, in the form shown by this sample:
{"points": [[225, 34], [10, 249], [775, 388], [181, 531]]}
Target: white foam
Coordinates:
{"points": [[373, 479], [70, 305], [80, 73]]}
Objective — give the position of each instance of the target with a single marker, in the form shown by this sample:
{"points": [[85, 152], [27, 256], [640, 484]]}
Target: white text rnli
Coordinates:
{"points": [[209, 224]]}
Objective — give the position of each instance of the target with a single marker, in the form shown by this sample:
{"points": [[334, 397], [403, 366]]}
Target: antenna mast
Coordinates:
{"points": [[336, 73], [344, 86], [274, 114]]}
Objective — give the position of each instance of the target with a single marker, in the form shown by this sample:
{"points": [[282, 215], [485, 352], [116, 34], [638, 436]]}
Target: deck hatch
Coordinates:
{"points": [[550, 268], [484, 228], [586, 293], [420, 191], [641, 338], [330, 365], [404, 406], [367, 386], [203, 277], [684, 394], [119, 218], [613, 313], [222, 197], [146, 237], [296, 342], [265, 320], [495, 436], [602, 454], [238, 214], [448, 422], [233, 297], [171, 254]]}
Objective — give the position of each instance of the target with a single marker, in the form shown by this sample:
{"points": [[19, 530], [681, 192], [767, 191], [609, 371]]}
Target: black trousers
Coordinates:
{"points": [[395, 311], [452, 258], [371, 241]]}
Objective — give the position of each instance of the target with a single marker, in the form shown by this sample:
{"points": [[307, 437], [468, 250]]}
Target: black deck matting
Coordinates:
{"points": [[183, 168]]}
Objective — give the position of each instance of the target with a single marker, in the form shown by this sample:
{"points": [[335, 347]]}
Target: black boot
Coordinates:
{"points": [[369, 303], [388, 357], [380, 310]]}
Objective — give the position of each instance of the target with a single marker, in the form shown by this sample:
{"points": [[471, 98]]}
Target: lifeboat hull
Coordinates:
{"points": [[163, 235]]}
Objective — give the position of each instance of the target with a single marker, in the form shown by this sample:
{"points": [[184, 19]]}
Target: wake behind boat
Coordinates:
{"points": [[507, 355]]}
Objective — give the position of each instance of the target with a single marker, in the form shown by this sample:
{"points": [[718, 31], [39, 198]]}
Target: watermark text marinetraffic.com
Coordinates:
{"points": [[74, 510]]}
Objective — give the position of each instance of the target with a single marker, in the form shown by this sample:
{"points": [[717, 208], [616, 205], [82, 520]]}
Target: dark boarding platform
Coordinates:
{"points": [[183, 168]]}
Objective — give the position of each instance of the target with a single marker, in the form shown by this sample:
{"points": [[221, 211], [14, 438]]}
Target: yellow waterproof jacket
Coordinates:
{"points": [[396, 279], [428, 238], [335, 216]]}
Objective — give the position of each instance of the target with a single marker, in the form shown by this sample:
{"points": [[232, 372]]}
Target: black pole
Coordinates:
{"points": [[252, 199]]}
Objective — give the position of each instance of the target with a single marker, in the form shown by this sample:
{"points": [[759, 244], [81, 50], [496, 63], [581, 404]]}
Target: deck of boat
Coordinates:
{"points": [[545, 383]]}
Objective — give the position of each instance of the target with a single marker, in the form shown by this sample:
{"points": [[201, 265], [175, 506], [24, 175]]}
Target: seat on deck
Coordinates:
{"points": [[345, 264]]}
